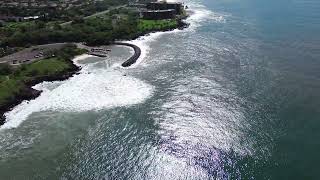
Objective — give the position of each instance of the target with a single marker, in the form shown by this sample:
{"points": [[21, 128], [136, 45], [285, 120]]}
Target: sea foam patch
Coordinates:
{"points": [[144, 43], [96, 90], [93, 89], [198, 14]]}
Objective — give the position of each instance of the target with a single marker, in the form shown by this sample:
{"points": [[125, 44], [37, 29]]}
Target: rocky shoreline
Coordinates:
{"points": [[28, 93]]}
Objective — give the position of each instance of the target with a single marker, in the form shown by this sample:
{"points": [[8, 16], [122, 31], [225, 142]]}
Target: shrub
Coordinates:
{"points": [[5, 69], [33, 73]]}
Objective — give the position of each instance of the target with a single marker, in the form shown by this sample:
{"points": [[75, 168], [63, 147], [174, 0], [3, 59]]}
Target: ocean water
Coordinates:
{"points": [[234, 96]]}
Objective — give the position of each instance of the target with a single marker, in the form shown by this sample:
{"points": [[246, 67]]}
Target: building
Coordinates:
{"points": [[162, 10], [178, 7], [35, 4], [159, 14]]}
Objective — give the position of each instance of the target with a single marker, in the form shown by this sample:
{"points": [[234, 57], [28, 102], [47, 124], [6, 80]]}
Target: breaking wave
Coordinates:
{"points": [[198, 15], [96, 89], [93, 89]]}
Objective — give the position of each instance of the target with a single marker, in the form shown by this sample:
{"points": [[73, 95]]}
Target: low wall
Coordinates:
{"points": [[133, 59]]}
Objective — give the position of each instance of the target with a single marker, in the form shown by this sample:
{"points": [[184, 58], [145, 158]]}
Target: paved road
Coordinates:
{"points": [[96, 14], [31, 54]]}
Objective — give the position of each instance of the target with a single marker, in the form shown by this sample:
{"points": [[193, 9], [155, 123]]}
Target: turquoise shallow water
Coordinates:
{"points": [[235, 96]]}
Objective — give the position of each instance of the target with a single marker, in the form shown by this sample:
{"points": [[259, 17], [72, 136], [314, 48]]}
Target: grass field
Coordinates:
{"points": [[12, 84], [45, 67], [15, 80], [149, 25]]}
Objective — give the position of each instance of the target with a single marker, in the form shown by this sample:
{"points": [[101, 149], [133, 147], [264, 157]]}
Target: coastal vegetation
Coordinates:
{"points": [[76, 25], [153, 25], [50, 14], [15, 80], [60, 10], [118, 24]]}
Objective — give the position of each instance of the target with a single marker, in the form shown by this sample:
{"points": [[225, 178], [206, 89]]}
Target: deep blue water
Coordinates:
{"points": [[286, 81]]}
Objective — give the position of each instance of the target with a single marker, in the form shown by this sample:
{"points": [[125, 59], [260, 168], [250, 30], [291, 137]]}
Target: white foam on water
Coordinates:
{"points": [[77, 60], [199, 14], [99, 89], [144, 42], [93, 89]]}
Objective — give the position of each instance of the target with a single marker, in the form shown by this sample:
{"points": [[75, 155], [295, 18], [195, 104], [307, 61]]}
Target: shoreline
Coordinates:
{"points": [[137, 50], [28, 93]]}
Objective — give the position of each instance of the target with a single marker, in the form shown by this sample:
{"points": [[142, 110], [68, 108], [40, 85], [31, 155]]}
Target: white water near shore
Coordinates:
{"points": [[100, 86], [96, 89], [199, 14], [93, 89]]}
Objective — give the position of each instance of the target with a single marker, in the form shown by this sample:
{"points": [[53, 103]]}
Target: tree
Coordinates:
{"points": [[40, 24], [33, 73], [57, 26], [5, 69], [78, 20]]}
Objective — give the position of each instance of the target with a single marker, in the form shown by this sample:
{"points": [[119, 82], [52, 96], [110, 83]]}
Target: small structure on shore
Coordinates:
{"points": [[177, 6], [100, 52], [162, 10], [159, 14]]}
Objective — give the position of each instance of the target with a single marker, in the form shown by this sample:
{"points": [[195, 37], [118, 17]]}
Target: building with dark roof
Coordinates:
{"points": [[162, 10], [178, 7], [159, 14]]}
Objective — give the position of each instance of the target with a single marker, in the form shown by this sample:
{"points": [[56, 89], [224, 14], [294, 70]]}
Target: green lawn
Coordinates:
{"points": [[45, 67], [12, 84], [14, 81], [148, 25]]}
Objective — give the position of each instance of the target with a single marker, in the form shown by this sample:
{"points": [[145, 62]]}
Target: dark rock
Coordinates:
{"points": [[28, 93], [2, 119], [134, 57]]}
